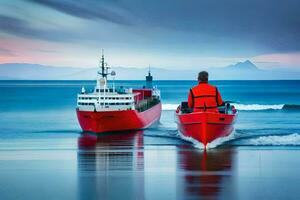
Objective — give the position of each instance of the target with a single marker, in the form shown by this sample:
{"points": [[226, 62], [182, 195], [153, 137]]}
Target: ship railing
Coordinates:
{"points": [[107, 98]]}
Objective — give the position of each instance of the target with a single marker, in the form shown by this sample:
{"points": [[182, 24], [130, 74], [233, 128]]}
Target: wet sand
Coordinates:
{"points": [[136, 166]]}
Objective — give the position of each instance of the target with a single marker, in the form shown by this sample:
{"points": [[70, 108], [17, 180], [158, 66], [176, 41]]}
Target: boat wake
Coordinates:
{"points": [[275, 140], [234, 140], [195, 143], [256, 137], [214, 144], [248, 107]]}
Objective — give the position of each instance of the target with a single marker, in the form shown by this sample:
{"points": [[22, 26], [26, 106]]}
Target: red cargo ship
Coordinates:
{"points": [[107, 109], [205, 127]]}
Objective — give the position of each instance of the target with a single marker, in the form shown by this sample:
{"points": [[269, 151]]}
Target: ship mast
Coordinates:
{"points": [[149, 79], [103, 72], [102, 82]]}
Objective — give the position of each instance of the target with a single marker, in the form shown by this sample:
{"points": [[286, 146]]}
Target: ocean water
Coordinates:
{"points": [[44, 154]]}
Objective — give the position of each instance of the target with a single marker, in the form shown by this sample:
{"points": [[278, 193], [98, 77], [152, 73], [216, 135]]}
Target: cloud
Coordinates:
{"points": [[261, 26], [22, 28], [266, 62], [198, 32], [45, 51], [6, 52], [291, 59], [268, 24], [88, 10]]}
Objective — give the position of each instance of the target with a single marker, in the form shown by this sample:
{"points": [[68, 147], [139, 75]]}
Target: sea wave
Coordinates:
{"points": [[291, 107], [248, 107], [258, 106], [276, 140]]}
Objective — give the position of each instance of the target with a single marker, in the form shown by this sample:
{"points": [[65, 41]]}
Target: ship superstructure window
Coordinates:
{"points": [[110, 98], [89, 98], [106, 90], [86, 104], [113, 104]]}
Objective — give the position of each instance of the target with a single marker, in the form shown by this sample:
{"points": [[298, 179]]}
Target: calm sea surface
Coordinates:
{"points": [[44, 154]]}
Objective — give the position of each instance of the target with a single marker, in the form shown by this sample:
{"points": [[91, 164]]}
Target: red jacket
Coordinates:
{"points": [[204, 97]]}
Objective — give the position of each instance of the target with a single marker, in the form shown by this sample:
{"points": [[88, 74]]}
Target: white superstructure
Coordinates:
{"points": [[105, 98]]}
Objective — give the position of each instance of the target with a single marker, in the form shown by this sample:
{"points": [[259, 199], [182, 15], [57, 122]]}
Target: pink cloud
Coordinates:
{"points": [[290, 60]]}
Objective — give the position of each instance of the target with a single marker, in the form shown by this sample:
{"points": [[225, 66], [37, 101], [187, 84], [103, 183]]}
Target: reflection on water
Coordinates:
{"points": [[121, 166], [110, 166], [206, 173]]}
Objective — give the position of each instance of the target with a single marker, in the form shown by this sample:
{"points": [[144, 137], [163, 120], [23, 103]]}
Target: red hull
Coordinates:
{"points": [[111, 121], [205, 126]]}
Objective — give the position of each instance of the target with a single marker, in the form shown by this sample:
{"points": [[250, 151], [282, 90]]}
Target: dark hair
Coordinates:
{"points": [[203, 76]]}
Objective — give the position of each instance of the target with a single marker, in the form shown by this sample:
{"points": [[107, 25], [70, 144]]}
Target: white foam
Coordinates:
{"points": [[258, 106], [292, 139], [169, 106], [195, 143], [220, 141], [211, 145]]}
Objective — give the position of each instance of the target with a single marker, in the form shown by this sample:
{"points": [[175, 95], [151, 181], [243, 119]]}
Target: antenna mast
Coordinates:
{"points": [[103, 73], [149, 79]]}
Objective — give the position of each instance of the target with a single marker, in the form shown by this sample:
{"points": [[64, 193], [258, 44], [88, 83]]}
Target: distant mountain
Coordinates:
{"points": [[34, 71], [247, 65], [239, 71], [26, 71]]}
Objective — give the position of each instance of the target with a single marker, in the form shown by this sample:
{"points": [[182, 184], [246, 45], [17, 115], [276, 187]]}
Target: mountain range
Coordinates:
{"points": [[240, 71]]}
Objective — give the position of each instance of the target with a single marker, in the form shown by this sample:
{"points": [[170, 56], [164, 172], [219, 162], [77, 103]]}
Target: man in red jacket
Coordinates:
{"points": [[204, 97]]}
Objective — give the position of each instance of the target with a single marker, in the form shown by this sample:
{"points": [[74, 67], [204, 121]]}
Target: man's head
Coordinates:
{"points": [[203, 76]]}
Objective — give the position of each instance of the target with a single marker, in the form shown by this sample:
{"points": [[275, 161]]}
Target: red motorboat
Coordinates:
{"points": [[110, 109], [205, 127]]}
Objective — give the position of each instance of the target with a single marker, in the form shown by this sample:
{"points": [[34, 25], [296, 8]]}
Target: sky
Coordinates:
{"points": [[179, 34]]}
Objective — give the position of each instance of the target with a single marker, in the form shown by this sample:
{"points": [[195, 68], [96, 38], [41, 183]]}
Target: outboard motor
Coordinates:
{"points": [[227, 108]]}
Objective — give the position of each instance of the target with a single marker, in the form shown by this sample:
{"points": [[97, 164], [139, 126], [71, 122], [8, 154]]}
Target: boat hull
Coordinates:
{"points": [[205, 127], [112, 121]]}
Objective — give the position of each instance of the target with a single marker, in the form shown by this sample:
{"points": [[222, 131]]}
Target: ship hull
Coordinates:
{"points": [[205, 127], [112, 121]]}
